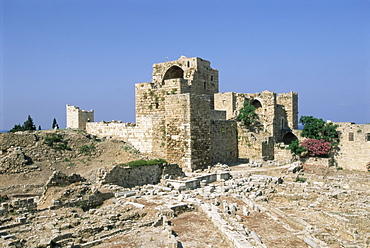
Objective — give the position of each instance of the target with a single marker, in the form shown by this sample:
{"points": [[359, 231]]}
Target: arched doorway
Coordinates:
{"points": [[257, 104], [173, 72], [288, 138]]}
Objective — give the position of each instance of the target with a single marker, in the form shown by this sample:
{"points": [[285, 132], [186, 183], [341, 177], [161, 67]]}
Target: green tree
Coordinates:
{"points": [[296, 148], [316, 131], [55, 124], [28, 125], [247, 114], [16, 128], [315, 128]]}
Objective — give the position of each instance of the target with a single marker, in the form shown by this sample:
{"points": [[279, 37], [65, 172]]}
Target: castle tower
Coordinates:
{"points": [[77, 118]]}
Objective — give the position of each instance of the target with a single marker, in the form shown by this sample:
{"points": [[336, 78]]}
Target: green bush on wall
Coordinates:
{"points": [[142, 162]]}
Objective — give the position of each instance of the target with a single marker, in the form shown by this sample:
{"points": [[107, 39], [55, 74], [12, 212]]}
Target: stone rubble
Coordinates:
{"points": [[249, 210]]}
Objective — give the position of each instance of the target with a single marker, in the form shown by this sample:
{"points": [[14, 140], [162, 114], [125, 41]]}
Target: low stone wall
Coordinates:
{"points": [[325, 162], [195, 182], [282, 154], [131, 177]]}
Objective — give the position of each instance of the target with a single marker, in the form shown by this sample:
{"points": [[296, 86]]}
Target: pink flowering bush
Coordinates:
{"points": [[316, 148]]}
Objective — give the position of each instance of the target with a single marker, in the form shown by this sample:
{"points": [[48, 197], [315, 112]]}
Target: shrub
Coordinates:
{"points": [[316, 148], [51, 139], [301, 179], [247, 114], [315, 128], [87, 150], [142, 162], [296, 148], [56, 141]]}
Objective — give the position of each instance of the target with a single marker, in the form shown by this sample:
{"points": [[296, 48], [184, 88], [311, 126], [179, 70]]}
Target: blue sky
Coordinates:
{"points": [[90, 53]]}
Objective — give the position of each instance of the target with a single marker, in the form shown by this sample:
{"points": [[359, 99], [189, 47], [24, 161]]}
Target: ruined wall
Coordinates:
{"points": [[77, 118], [255, 146], [354, 146], [281, 154], [287, 114], [131, 177], [265, 103], [224, 141]]}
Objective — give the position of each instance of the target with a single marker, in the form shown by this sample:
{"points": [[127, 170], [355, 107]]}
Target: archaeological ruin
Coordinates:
{"points": [[182, 117], [189, 173]]}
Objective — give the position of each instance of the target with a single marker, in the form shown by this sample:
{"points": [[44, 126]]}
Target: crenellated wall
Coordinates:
{"points": [[77, 118]]}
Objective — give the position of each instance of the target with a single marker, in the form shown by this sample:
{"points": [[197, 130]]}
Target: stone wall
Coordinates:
{"points": [[149, 99], [200, 77], [323, 162], [131, 177], [289, 103], [282, 154], [217, 115], [179, 113], [188, 130], [224, 141], [77, 118], [354, 146], [254, 146], [226, 101], [144, 136], [277, 114]]}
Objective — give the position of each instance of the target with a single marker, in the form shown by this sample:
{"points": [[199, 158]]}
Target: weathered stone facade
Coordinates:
{"points": [[180, 116], [277, 118], [354, 146]]}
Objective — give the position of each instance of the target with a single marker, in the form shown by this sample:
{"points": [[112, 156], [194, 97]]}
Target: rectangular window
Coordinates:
{"points": [[350, 136], [368, 137]]}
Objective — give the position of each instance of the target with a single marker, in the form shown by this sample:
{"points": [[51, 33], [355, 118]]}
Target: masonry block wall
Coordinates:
{"points": [[354, 146], [288, 113], [200, 131], [188, 130], [224, 141]]}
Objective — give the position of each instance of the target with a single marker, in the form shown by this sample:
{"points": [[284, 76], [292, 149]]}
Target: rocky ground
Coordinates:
{"points": [[51, 197]]}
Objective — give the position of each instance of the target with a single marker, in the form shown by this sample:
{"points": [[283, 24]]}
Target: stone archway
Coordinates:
{"points": [[173, 72], [257, 104], [288, 138]]}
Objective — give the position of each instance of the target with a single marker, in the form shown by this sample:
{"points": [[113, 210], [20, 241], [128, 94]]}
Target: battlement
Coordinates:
{"points": [[77, 118]]}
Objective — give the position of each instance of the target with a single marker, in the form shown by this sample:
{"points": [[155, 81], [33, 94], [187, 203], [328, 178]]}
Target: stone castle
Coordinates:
{"points": [[182, 117]]}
